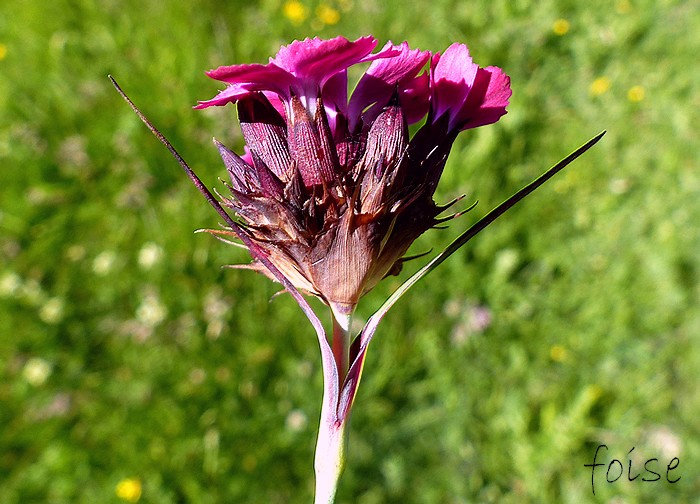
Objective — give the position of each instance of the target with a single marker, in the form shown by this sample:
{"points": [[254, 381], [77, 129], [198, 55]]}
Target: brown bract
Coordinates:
{"points": [[334, 228]]}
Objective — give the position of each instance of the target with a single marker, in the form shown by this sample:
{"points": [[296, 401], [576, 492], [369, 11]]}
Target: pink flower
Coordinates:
{"points": [[305, 69], [334, 190], [470, 95]]}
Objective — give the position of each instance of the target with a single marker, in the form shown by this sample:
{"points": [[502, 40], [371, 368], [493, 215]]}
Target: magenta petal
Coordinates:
{"points": [[377, 84], [452, 76], [231, 94], [302, 67], [268, 76], [404, 65], [487, 100], [276, 102], [335, 99], [247, 156], [246, 78], [415, 98], [316, 59]]}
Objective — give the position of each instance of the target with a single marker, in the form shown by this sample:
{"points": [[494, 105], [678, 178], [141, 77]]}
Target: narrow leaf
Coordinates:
{"points": [[329, 368], [354, 374]]}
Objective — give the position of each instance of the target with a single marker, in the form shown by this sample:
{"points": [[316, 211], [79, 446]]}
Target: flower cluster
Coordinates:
{"points": [[331, 187]]}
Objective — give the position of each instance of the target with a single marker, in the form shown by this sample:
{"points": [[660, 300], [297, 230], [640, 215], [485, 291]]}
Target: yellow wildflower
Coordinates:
{"points": [[561, 27], [327, 15], [600, 86], [3, 51], [558, 353], [635, 94], [295, 11], [129, 490]]}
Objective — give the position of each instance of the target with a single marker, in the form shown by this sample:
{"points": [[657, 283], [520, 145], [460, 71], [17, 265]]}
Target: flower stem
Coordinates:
{"points": [[330, 459], [330, 446], [341, 342]]}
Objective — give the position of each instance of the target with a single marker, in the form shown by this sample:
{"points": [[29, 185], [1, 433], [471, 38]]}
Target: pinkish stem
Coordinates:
{"points": [[341, 343], [330, 446]]}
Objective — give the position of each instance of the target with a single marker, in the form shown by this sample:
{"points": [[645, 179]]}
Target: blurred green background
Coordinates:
{"points": [[134, 368]]}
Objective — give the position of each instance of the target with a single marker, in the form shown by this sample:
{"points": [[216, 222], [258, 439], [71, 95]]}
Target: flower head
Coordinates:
{"points": [[129, 489], [635, 94], [600, 86], [561, 27], [332, 188]]}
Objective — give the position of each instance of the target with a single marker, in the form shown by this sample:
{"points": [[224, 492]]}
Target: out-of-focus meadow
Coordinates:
{"points": [[134, 368]]}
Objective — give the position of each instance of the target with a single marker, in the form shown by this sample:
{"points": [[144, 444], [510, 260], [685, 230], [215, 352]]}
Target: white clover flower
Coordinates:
{"points": [[296, 420], [52, 311], [104, 262], [149, 255], [36, 371], [151, 311], [10, 284]]}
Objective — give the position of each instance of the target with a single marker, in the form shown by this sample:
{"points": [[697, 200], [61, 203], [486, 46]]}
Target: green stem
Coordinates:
{"points": [[330, 459]]}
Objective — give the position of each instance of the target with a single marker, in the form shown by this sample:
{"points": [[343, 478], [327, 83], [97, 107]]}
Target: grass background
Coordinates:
{"points": [[126, 352]]}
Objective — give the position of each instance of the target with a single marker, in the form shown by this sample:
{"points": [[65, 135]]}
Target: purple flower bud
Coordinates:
{"points": [[312, 160]]}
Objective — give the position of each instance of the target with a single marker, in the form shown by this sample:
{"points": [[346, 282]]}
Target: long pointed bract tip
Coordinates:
{"points": [[255, 250]]}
